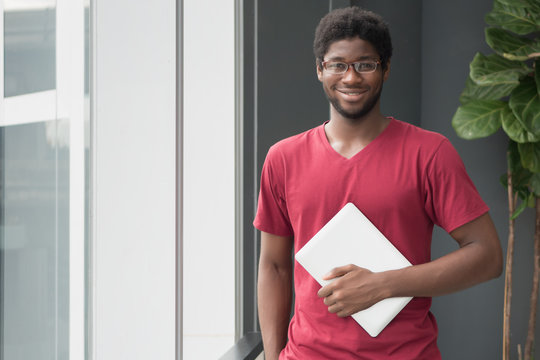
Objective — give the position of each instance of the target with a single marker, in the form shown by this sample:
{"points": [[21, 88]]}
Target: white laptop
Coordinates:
{"points": [[350, 238]]}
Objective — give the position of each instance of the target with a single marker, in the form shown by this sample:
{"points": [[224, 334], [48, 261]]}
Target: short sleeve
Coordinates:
{"points": [[272, 215], [451, 199]]}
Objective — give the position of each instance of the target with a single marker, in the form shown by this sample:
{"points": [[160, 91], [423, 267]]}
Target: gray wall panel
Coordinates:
{"points": [[470, 322], [402, 90], [290, 99]]}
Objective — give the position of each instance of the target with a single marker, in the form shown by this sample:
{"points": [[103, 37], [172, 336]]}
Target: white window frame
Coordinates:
{"points": [[66, 103]]}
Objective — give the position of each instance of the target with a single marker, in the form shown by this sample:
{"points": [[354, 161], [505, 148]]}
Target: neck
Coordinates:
{"points": [[356, 131]]}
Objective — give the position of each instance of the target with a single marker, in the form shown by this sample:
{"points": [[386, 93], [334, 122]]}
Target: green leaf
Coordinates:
{"points": [[534, 6], [522, 191], [494, 70], [474, 91], [511, 46], [513, 158], [528, 199], [515, 3], [537, 75], [535, 184], [479, 118], [531, 200], [520, 175], [522, 206], [514, 129], [503, 179], [530, 156], [516, 17], [525, 104]]}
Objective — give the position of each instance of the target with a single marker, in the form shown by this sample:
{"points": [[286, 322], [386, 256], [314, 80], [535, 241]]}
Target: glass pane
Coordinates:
{"points": [[29, 46], [35, 199], [34, 195]]}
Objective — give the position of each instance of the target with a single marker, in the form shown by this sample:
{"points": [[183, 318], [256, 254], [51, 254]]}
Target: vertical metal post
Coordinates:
{"points": [[239, 167], [91, 245], [179, 175], [2, 192]]}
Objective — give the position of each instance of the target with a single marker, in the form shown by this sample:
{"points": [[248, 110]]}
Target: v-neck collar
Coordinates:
{"points": [[361, 153]]}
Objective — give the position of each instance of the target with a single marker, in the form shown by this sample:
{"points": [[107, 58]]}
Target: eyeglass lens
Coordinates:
{"points": [[336, 67]]}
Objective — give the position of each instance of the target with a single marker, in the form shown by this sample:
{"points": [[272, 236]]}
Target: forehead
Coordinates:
{"points": [[351, 49]]}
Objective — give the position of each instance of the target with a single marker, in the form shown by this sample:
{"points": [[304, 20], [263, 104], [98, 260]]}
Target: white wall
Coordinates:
{"points": [[208, 265], [133, 179]]}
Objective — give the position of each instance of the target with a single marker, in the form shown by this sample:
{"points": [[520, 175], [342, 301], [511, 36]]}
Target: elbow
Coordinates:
{"points": [[275, 269], [496, 262], [491, 264], [497, 270]]}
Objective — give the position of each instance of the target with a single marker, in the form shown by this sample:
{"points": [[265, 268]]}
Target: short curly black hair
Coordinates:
{"points": [[350, 22]]}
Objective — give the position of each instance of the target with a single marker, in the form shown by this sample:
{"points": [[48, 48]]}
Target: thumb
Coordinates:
{"points": [[338, 272]]}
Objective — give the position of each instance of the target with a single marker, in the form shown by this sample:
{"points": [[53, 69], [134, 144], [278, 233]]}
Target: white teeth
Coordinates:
{"points": [[350, 92]]}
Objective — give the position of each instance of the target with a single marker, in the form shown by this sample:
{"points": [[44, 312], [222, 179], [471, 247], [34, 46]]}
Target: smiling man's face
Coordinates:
{"points": [[353, 95]]}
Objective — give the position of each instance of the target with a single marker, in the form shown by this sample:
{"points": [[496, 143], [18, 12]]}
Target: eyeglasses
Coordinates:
{"points": [[361, 67]]}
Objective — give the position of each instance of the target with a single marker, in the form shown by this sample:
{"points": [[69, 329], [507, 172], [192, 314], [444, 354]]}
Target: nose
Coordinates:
{"points": [[351, 75]]}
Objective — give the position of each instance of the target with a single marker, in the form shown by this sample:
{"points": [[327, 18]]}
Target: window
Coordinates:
{"points": [[42, 183]]}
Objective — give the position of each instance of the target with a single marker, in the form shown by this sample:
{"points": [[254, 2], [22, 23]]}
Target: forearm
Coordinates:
{"points": [[478, 259], [274, 290], [463, 268]]}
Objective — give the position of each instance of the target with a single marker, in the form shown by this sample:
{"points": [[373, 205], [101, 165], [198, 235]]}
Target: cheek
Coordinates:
{"points": [[327, 87]]}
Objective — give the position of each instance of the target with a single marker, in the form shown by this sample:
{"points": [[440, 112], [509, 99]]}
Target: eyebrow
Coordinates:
{"points": [[340, 58]]}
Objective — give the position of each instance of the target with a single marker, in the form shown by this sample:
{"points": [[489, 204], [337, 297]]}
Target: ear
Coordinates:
{"points": [[319, 71], [387, 71]]}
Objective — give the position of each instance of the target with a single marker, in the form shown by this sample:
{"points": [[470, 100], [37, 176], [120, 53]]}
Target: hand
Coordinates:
{"points": [[354, 289]]}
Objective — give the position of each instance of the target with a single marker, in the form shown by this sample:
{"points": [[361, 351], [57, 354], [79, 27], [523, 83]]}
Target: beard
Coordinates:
{"points": [[358, 114]]}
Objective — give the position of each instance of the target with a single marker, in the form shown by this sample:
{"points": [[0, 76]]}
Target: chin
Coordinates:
{"points": [[357, 116], [354, 116]]}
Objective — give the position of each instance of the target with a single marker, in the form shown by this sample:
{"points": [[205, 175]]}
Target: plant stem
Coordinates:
{"points": [[508, 274], [534, 291]]}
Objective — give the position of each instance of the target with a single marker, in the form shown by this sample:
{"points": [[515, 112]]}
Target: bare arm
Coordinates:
{"points": [[274, 290], [478, 259]]}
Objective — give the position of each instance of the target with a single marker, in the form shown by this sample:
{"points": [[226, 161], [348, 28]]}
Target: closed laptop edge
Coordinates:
{"points": [[350, 238]]}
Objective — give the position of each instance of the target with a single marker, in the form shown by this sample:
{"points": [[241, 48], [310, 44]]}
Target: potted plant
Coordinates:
{"points": [[503, 90]]}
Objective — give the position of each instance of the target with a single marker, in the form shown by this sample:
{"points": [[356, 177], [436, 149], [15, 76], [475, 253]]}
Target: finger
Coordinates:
{"points": [[334, 309], [329, 301], [338, 272], [325, 291], [343, 313]]}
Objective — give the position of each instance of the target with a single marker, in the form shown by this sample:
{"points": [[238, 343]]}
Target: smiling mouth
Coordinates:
{"points": [[355, 92], [351, 92]]}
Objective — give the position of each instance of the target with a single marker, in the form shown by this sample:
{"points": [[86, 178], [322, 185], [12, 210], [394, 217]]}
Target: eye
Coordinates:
{"points": [[336, 67], [365, 66]]}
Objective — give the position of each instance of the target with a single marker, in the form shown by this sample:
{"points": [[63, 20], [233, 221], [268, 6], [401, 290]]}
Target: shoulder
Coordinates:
{"points": [[295, 144], [425, 148], [418, 136], [424, 143]]}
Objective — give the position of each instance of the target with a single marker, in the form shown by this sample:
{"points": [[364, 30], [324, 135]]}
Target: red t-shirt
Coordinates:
{"points": [[404, 181]]}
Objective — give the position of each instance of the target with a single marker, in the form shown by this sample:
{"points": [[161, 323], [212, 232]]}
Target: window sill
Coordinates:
{"points": [[247, 348]]}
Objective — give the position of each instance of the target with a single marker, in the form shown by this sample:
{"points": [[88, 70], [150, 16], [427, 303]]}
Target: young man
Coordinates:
{"points": [[403, 178]]}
